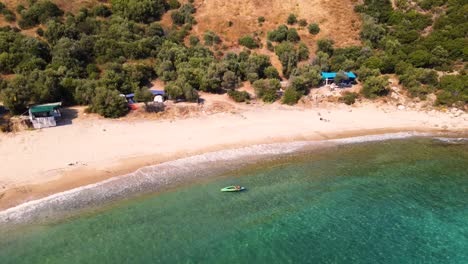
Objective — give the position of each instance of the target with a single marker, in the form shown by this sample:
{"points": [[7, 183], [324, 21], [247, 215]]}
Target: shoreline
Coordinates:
{"points": [[79, 177], [40, 163], [160, 177]]}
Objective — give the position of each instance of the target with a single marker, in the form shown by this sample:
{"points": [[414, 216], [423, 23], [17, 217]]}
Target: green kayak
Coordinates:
{"points": [[233, 189]]}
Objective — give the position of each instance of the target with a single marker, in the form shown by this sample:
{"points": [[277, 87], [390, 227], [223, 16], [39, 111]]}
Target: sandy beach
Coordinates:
{"points": [[39, 163]]}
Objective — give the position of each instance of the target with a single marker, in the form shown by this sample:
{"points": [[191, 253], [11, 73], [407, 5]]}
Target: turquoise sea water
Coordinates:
{"points": [[397, 201]]}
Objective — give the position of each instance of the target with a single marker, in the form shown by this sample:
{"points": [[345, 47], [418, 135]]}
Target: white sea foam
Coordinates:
{"points": [[155, 178], [382, 137], [452, 140]]}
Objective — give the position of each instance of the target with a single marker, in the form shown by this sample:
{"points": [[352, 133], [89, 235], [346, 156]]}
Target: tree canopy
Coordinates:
{"points": [[139, 10]]}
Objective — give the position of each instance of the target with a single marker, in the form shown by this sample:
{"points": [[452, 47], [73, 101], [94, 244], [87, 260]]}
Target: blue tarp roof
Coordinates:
{"points": [[154, 92], [332, 75]]}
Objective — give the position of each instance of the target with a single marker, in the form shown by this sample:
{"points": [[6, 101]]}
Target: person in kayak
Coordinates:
{"points": [[238, 187]]}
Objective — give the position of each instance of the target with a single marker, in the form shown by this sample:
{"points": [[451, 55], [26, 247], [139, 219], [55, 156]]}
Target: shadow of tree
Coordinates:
{"points": [[5, 125], [67, 116]]}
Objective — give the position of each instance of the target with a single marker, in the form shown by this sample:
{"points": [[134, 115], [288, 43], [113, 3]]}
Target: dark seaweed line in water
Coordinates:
{"points": [[159, 177]]}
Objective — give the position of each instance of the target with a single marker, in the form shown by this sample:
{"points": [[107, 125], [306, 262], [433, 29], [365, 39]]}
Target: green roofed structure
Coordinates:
{"points": [[45, 115]]}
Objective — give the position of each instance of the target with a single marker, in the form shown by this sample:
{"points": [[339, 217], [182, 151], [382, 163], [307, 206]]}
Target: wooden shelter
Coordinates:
{"points": [[43, 116]]}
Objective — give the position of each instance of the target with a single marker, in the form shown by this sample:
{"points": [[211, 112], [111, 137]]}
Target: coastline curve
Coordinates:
{"points": [[158, 177]]}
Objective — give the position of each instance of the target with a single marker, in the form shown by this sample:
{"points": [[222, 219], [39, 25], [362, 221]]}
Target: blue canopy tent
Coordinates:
{"points": [[330, 76]]}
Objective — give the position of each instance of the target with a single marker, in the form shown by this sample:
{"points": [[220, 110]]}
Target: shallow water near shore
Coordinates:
{"points": [[395, 201]]}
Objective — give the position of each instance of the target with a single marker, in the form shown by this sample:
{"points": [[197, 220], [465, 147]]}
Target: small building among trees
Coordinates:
{"points": [[43, 116], [339, 78]]}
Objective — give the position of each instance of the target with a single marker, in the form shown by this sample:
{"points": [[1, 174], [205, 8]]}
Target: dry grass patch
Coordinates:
{"points": [[337, 19]]}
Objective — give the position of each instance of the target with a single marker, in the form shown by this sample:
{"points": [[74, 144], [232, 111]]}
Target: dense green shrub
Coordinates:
{"points": [[326, 45], [139, 10], [374, 62], [411, 20], [347, 59], [239, 96], [372, 31], [17, 95], [17, 49], [429, 4], [416, 89], [174, 91], [364, 73], [7, 13], [270, 46], [283, 33], [293, 36], [267, 89], [101, 10], [291, 96], [305, 77], [173, 4], [177, 35], [322, 60], [419, 81], [379, 9], [194, 40], [249, 42], [155, 29], [340, 77], [143, 95], [313, 28], [230, 80], [303, 52], [184, 15], [20, 8], [178, 18], [288, 57], [420, 58], [272, 73], [181, 89], [375, 86], [454, 88], [39, 12], [302, 23], [349, 98], [56, 30], [40, 32], [254, 66], [211, 38], [84, 91], [126, 78], [109, 103], [278, 35], [299, 83], [292, 19]]}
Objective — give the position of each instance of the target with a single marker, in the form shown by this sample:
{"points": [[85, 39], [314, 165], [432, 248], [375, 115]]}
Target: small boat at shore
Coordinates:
{"points": [[233, 189]]}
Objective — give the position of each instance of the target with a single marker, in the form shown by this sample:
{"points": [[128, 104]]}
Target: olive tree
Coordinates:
{"points": [[109, 103], [139, 10], [143, 95]]}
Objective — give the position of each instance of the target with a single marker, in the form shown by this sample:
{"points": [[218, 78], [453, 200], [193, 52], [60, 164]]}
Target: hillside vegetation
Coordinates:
{"points": [[419, 41], [55, 51]]}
